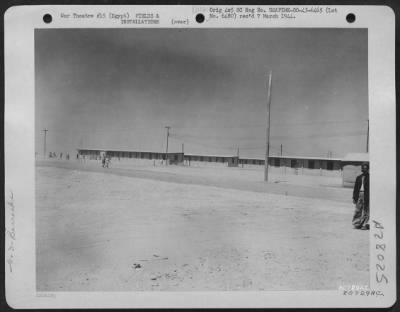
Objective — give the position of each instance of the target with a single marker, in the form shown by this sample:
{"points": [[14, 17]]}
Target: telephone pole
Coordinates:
{"points": [[268, 126], [368, 136], [166, 151], [44, 143]]}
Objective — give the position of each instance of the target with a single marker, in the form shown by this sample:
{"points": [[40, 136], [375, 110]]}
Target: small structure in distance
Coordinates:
{"points": [[351, 166]]}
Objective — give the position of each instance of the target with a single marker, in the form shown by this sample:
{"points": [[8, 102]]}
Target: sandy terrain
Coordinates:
{"points": [[100, 229], [250, 178]]}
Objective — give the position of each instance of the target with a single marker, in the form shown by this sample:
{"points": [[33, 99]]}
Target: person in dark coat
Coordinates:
{"points": [[361, 199], [103, 161]]}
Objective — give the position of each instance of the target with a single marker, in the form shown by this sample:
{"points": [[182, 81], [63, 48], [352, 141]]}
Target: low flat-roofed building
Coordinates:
{"points": [[173, 157], [351, 166]]}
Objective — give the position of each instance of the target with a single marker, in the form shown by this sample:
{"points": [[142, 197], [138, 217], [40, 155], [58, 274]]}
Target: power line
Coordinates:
{"points": [[206, 136], [255, 126], [226, 136], [320, 122], [210, 145], [277, 149], [355, 133]]}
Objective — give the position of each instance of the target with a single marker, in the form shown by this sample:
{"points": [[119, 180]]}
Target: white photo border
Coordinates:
{"points": [[20, 266]]}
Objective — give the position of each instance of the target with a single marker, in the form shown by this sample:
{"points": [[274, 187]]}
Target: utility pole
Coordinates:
{"points": [[268, 126], [368, 136], [183, 148], [166, 151], [281, 150], [44, 145]]}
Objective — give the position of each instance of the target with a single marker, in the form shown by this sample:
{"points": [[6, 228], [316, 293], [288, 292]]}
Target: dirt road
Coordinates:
{"points": [[231, 178], [134, 232]]}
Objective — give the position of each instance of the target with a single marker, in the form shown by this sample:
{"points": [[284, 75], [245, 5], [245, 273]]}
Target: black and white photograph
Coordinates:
{"points": [[200, 157], [150, 159]]}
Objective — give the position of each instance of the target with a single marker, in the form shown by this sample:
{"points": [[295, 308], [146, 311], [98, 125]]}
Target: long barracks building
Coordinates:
{"points": [[231, 161]]}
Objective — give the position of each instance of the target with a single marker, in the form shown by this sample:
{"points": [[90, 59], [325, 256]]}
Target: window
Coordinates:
{"points": [[277, 162], [293, 163], [311, 164], [329, 165]]}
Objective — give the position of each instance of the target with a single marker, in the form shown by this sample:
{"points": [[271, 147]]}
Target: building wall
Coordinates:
{"points": [[350, 172], [232, 161]]}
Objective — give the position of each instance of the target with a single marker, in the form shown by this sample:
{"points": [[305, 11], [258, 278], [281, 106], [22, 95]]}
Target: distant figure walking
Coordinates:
{"points": [[361, 199], [105, 160], [108, 160]]}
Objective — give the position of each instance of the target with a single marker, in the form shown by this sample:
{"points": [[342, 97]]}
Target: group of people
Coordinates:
{"points": [[361, 199]]}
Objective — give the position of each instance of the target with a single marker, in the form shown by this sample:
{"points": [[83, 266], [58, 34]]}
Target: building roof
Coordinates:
{"points": [[125, 151], [348, 157], [209, 155], [295, 157], [306, 157], [356, 157]]}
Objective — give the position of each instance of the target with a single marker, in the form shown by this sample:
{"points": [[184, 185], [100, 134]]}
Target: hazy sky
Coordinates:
{"points": [[119, 88]]}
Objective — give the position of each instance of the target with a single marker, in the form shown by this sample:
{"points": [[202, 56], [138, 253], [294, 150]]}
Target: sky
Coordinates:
{"points": [[117, 89]]}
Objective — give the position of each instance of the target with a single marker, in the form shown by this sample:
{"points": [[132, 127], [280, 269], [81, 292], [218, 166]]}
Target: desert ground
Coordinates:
{"points": [[143, 226]]}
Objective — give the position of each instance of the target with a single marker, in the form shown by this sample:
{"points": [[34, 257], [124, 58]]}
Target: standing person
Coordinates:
{"points": [[103, 160], [361, 199]]}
